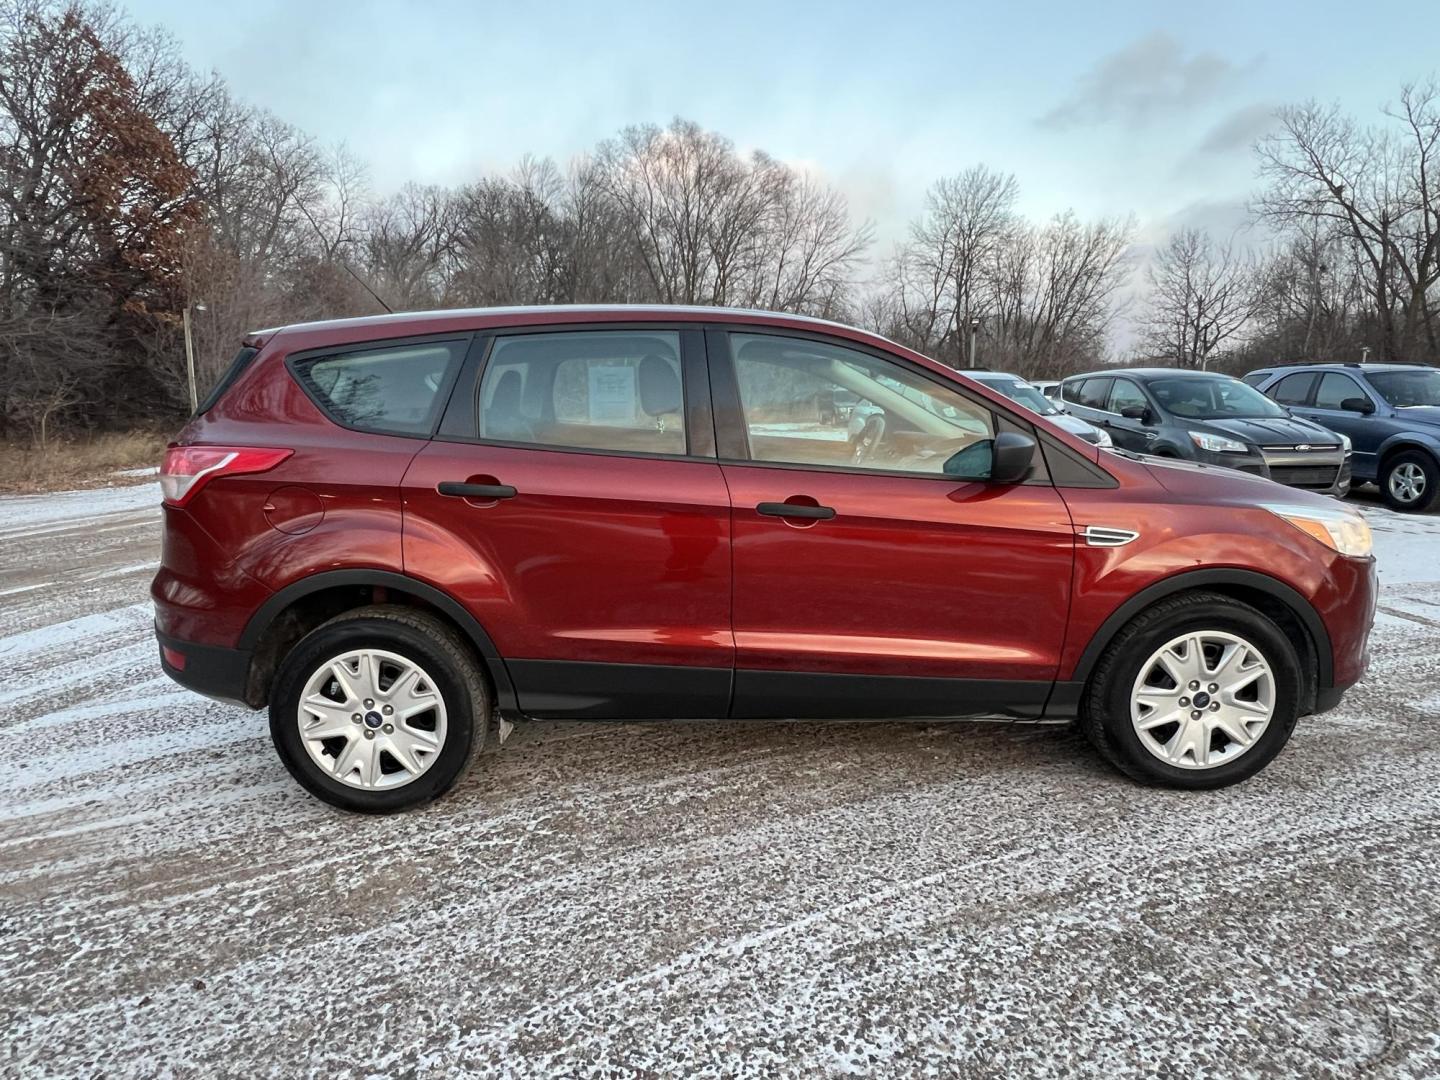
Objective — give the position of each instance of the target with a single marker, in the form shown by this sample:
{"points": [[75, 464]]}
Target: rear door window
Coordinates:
{"points": [[392, 390], [1293, 389], [616, 390], [1092, 393]]}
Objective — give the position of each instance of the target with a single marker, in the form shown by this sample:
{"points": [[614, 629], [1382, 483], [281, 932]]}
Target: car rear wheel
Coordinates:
{"points": [[1200, 691], [1410, 481], [380, 709]]}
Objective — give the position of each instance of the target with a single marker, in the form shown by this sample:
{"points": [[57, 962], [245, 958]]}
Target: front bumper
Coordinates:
{"points": [[1322, 473], [1326, 472], [212, 670], [1347, 607]]}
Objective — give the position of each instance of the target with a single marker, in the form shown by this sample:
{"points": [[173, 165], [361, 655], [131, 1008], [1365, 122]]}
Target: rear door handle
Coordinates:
{"points": [[462, 490], [791, 510]]}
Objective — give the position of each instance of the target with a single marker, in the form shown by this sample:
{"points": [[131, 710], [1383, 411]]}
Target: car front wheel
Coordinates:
{"points": [[380, 709], [1410, 481], [1200, 691]]}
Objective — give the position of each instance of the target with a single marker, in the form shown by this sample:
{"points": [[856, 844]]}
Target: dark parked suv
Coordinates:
{"points": [[1211, 418], [1390, 413], [399, 532]]}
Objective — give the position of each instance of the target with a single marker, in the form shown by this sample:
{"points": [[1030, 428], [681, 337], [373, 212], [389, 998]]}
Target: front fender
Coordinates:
{"points": [[1251, 549]]}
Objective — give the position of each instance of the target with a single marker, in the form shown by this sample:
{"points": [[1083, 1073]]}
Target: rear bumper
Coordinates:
{"points": [[212, 670]]}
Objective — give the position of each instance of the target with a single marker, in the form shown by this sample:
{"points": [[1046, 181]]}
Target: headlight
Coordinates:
{"points": [[1338, 528], [1102, 438], [1217, 444]]}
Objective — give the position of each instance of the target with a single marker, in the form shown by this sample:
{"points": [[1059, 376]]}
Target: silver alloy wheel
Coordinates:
{"points": [[1407, 482], [372, 719], [1202, 699]]}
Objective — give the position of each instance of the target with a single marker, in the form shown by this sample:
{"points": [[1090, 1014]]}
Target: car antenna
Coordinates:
{"points": [[344, 262]]}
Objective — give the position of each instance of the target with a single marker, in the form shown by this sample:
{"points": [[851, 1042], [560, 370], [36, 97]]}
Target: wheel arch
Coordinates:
{"points": [[292, 612], [1401, 442], [1273, 597]]}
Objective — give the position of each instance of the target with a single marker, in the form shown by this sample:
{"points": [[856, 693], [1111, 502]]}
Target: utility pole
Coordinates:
{"points": [[974, 328], [190, 359]]}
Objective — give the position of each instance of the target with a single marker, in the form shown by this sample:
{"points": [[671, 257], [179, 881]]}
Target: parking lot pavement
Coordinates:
{"points": [[764, 899]]}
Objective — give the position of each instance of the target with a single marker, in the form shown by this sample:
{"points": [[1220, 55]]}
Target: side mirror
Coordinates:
{"points": [[1013, 457], [1137, 412], [1363, 406]]}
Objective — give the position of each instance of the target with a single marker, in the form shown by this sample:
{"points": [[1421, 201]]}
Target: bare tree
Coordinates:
{"points": [[1047, 294], [1312, 304], [711, 227], [953, 246], [1376, 187], [1057, 293], [1202, 297], [409, 242]]}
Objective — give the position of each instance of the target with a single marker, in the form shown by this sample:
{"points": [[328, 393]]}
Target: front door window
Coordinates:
{"points": [[814, 403]]}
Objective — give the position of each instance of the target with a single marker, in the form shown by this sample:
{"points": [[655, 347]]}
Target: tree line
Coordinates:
{"points": [[135, 187]]}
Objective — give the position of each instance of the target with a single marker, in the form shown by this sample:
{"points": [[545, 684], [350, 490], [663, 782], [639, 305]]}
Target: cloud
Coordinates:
{"points": [[1150, 77], [1239, 130], [1227, 220]]}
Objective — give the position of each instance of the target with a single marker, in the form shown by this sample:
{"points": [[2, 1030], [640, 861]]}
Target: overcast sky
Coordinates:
{"points": [[1106, 107]]}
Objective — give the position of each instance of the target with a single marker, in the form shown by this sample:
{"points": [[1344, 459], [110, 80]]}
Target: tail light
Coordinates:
{"points": [[189, 468]]}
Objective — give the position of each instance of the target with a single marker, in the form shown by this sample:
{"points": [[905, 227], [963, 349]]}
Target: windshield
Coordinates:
{"points": [[1406, 389], [1026, 395], [1199, 398]]}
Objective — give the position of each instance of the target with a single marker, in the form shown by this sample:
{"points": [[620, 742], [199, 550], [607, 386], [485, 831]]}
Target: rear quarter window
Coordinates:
{"points": [[237, 367], [392, 390]]}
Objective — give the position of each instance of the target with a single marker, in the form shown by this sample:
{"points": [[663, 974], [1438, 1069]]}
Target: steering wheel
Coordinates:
{"points": [[867, 439]]}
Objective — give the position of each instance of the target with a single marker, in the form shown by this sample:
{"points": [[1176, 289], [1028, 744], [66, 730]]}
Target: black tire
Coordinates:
{"points": [[1105, 706], [1429, 469], [418, 637]]}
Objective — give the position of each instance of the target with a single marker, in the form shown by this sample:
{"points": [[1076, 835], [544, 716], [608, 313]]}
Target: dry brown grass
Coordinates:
{"points": [[89, 461]]}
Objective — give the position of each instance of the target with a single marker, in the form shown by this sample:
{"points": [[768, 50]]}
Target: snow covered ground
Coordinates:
{"points": [[761, 899]]}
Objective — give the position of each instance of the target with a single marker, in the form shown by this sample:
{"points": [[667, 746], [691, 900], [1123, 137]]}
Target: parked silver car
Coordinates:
{"points": [[1018, 390]]}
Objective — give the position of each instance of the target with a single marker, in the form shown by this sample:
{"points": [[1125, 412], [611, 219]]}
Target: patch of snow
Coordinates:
{"points": [[22, 513], [64, 635]]}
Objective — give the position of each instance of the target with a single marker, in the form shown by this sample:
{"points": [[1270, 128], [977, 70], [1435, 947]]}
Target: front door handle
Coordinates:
{"points": [[795, 510], [462, 490]]}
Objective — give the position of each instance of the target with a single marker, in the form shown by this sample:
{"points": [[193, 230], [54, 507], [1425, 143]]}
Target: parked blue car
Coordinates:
{"points": [[1391, 413]]}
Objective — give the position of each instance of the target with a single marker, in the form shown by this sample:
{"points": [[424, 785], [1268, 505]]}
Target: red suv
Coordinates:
{"points": [[390, 530]]}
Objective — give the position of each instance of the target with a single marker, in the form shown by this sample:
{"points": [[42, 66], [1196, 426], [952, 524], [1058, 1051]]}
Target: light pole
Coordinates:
{"points": [[190, 359], [974, 329]]}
